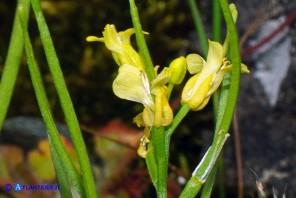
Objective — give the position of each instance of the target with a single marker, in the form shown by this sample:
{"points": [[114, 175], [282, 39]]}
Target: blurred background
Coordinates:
{"points": [[266, 113]]}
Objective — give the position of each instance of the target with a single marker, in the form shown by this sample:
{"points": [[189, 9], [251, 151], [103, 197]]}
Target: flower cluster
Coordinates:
{"points": [[132, 82], [207, 77]]}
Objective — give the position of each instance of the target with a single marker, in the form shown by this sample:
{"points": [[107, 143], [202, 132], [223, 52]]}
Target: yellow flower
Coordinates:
{"points": [[132, 84], [119, 44], [208, 76], [142, 150], [163, 114]]}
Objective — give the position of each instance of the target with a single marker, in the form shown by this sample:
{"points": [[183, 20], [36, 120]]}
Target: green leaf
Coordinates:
{"points": [[65, 100], [44, 107], [13, 60], [61, 173], [201, 33]]}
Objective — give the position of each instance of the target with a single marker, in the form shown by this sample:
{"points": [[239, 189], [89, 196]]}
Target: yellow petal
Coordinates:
{"points": [[202, 105], [139, 120], [158, 109], [163, 114], [214, 59], [131, 57], [195, 63], [216, 82], [161, 79], [148, 117], [167, 112], [117, 58], [212, 66], [126, 35], [188, 88], [142, 150], [233, 11], [112, 39], [244, 69], [94, 38], [195, 98], [132, 84]]}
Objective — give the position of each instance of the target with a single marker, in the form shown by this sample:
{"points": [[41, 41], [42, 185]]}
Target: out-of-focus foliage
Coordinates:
{"points": [[40, 159]]}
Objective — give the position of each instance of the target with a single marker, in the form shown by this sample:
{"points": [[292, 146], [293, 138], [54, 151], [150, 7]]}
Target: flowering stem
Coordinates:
{"points": [[160, 138], [141, 41], [157, 159], [160, 141]]}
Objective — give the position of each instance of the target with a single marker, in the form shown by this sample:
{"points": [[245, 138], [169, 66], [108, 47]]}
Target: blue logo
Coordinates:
{"points": [[8, 187], [17, 187]]}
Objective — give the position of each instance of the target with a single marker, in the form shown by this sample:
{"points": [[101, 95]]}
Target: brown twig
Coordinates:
{"points": [[238, 156], [96, 133]]}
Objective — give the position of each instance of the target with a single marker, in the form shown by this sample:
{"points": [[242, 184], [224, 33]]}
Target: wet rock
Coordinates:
{"points": [[268, 124]]}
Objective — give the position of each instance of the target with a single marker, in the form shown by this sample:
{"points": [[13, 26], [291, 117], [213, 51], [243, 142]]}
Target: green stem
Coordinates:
{"points": [[177, 119], [160, 142], [216, 24], [61, 172], [44, 107], [141, 41], [157, 157], [236, 62], [12, 62], [160, 139], [207, 189], [170, 89], [221, 176], [66, 102], [199, 26]]}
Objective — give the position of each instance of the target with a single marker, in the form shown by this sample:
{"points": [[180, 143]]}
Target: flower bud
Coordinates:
{"points": [[178, 69], [163, 114]]}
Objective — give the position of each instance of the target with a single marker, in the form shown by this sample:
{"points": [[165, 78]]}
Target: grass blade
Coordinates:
{"points": [[66, 103], [61, 173], [199, 26], [12, 62], [45, 110]]}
